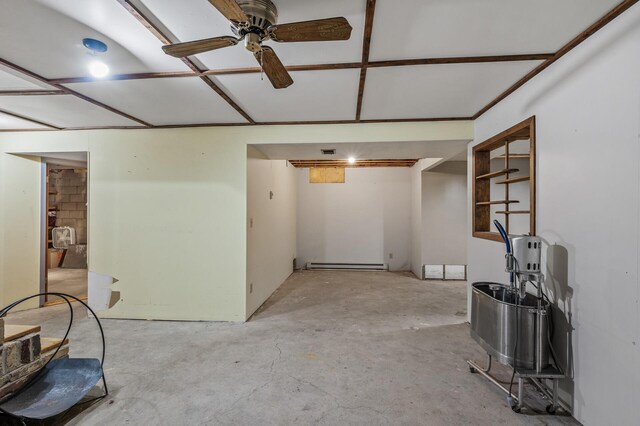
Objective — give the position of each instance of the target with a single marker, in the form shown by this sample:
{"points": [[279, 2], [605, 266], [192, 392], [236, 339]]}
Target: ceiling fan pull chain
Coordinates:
{"points": [[261, 66]]}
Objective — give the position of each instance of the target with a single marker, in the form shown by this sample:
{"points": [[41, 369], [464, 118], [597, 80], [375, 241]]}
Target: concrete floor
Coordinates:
{"points": [[328, 348], [70, 281]]}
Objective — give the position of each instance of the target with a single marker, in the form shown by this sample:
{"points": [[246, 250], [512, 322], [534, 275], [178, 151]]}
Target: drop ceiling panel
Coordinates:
{"points": [[182, 100], [197, 19], [62, 111], [45, 37], [13, 123], [435, 91], [314, 95], [13, 80], [445, 28]]}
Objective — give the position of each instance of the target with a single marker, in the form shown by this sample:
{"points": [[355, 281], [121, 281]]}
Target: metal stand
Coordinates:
{"points": [[550, 373]]}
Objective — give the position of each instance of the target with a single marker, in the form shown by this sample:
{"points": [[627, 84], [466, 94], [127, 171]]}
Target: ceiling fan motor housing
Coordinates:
{"points": [[261, 13]]}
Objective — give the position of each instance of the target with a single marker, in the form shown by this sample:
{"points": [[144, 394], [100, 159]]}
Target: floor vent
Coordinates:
{"points": [[444, 272], [349, 266]]}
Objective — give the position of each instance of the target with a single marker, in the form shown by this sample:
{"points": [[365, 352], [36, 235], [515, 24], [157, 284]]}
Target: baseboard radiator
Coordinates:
{"points": [[444, 272], [349, 266]]}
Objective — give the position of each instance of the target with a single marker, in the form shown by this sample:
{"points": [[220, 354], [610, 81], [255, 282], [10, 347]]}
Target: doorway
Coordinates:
{"points": [[65, 216]]}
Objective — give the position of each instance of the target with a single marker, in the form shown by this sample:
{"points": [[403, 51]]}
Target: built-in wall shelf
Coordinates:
{"points": [[514, 180], [496, 174], [489, 203], [502, 157], [505, 152]]}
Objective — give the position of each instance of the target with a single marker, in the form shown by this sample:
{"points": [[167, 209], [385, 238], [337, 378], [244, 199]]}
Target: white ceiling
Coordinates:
{"points": [[12, 80], [10, 122], [163, 101], [445, 28], [44, 37], [63, 111], [316, 95], [368, 151], [197, 19], [446, 90]]}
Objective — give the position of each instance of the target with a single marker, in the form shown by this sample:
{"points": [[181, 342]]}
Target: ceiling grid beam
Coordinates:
{"points": [[316, 67], [614, 13], [68, 91], [157, 32], [366, 47], [31, 92]]}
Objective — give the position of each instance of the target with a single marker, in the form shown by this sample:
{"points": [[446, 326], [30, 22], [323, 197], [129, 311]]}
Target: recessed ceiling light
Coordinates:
{"points": [[351, 160], [98, 69]]}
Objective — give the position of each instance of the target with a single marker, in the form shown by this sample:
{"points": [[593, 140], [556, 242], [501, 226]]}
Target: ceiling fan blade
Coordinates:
{"points": [[180, 50], [319, 30], [273, 68], [230, 9]]}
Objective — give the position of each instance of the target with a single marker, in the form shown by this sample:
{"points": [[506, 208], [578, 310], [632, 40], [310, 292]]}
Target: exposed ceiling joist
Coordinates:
{"points": [[614, 13], [158, 33], [302, 164], [366, 48], [313, 67], [68, 91], [31, 92]]}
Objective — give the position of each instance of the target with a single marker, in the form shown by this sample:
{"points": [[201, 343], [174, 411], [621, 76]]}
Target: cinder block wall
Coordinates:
{"points": [[68, 192]]}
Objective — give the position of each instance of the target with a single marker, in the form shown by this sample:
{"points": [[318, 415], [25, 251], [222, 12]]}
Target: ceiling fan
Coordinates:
{"points": [[254, 21]]}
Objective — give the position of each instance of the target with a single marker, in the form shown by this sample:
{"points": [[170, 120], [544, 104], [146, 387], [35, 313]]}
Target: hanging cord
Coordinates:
{"points": [[515, 348], [261, 64]]}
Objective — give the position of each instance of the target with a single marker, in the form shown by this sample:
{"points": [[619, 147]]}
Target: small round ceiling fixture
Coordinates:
{"points": [[96, 46], [97, 68]]}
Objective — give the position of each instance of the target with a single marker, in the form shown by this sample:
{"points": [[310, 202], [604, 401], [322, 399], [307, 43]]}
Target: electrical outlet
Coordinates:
{"points": [[390, 255], [250, 222], [250, 288]]}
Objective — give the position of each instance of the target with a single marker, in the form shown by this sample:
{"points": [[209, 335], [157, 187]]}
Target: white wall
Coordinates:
{"points": [[444, 214], [271, 226], [364, 220], [167, 210], [587, 108]]}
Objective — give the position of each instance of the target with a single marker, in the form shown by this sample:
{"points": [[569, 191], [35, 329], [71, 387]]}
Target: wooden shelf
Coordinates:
{"points": [[488, 203], [513, 156], [514, 180], [498, 173], [514, 212]]}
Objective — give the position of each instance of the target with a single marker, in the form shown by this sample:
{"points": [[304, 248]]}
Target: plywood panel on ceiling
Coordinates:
{"points": [[12, 80], [326, 175], [446, 90], [63, 111], [10, 122], [444, 28], [163, 101], [314, 95]]}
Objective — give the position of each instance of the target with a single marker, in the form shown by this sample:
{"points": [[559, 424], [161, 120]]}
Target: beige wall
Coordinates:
{"points": [[167, 209], [271, 226]]}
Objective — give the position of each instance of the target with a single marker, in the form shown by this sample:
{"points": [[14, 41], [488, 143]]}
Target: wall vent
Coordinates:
{"points": [[444, 272], [328, 151]]}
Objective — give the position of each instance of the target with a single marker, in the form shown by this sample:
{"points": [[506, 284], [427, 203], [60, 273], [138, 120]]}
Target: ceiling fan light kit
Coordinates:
{"points": [[255, 21]]}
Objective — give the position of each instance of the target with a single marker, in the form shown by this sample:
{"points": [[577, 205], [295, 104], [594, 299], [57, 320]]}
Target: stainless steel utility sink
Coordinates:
{"points": [[493, 324]]}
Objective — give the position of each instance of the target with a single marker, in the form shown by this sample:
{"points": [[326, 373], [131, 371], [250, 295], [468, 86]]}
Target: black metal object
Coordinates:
{"points": [[61, 383]]}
